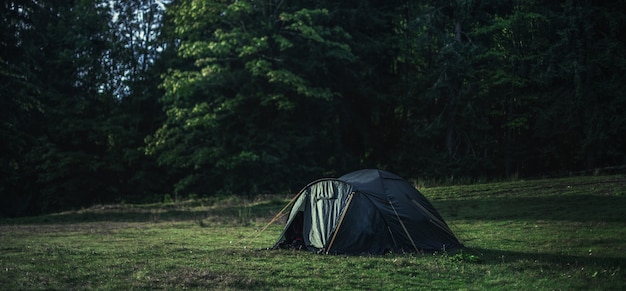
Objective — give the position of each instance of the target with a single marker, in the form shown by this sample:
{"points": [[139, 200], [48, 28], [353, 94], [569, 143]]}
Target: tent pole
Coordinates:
{"points": [[406, 231], [395, 243], [345, 209], [434, 220]]}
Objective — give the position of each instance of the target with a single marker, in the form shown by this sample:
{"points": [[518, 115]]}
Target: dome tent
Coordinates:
{"points": [[365, 212]]}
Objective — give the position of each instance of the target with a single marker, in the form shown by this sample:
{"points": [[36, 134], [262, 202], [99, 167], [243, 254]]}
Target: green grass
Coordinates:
{"points": [[558, 234]]}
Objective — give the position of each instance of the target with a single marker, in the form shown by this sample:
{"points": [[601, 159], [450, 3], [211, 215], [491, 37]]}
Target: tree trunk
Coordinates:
{"points": [[455, 94]]}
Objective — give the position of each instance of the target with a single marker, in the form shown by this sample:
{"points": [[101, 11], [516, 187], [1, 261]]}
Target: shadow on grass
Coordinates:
{"points": [[236, 214], [581, 208]]}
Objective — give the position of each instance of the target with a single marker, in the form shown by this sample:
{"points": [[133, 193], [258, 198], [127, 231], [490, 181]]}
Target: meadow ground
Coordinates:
{"points": [[553, 234]]}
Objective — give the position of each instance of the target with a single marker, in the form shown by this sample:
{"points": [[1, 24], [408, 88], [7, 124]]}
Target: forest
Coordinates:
{"points": [[110, 101]]}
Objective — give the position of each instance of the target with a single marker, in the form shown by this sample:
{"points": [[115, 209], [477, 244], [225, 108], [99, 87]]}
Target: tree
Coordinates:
{"points": [[55, 52], [512, 47], [18, 104], [579, 125], [254, 96], [72, 156], [446, 129], [138, 57]]}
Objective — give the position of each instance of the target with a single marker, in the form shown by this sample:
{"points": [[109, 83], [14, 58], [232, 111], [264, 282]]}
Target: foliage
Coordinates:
{"points": [[69, 125], [61, 116], [262, 73], [105, 101], [544, 234]]}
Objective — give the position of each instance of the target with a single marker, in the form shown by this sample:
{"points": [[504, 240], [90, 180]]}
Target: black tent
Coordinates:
{"points": [[365, 212]]}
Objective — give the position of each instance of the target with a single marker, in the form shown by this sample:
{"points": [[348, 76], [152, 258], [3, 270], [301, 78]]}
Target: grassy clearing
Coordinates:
{"points": [[558, 234]]}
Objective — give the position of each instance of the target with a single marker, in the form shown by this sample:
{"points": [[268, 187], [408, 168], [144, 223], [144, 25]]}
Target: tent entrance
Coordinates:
{"points": [[320, 206]]}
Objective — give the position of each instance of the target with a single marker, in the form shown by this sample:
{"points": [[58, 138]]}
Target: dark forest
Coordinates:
{"points": [[133, 101]]}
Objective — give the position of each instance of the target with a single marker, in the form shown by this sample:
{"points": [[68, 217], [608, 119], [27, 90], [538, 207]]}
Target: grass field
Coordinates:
{"points": [[558, 234]]}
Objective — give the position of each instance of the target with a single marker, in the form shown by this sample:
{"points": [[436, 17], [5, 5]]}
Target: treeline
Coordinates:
{"points": [[128, 101]]}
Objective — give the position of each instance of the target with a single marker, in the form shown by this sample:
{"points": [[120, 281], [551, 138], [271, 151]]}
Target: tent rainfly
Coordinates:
{"points": [[365, 212]]}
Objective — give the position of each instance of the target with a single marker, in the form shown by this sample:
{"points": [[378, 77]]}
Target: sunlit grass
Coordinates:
{"points": [[563, 234]]}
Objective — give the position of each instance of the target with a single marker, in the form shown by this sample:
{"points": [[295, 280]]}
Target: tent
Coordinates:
{"points": [[365, 212]]}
